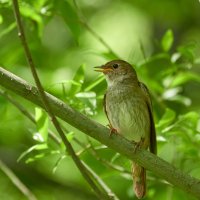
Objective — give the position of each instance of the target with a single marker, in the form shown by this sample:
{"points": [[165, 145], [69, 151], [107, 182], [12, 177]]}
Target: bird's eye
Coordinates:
{"points": [[115, 66]]}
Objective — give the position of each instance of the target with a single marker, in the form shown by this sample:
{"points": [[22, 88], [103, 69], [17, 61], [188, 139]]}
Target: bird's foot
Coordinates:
{"points": [[138, 145], [112, 130]]}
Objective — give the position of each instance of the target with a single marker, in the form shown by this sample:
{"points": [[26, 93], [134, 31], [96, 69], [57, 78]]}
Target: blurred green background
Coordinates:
{"points": [[67, 39]]}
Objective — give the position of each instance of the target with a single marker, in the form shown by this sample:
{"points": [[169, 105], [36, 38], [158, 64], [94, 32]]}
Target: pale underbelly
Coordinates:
{"points": [[130, 119]]}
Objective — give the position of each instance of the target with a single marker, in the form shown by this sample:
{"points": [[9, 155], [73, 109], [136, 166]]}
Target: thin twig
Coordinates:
{"points": [[91, 149], [100, 182], [107, 163], [17, 105], [24, 111], [143, 50], [16, 181], [83, 21], [46, 104]]}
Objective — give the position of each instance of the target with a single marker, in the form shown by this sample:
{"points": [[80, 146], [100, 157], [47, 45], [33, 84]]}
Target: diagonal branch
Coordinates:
{"points": [[101, 133]]}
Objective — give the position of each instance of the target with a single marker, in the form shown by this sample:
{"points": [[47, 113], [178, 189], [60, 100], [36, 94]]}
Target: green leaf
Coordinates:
{"points": [[187, 51], [58, 162], [171, 93], [29, 11], [5, 3], [35, 147], [167, 40], [184, 77], [42, 125], [109, 55], [190, 120], [181, 99], [88, 98], [168, 117], [70, 137], [152, 68], [70, 17], [40, 155], [1, 19], [8, 29], [78, 78], [96, 82]]}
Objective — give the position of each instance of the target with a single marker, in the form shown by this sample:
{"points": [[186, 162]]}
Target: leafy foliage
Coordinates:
{"points": [[63, 47]]}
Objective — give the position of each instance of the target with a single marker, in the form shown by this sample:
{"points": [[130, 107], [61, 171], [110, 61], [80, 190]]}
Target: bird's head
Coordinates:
{"points": [[117, 71]]}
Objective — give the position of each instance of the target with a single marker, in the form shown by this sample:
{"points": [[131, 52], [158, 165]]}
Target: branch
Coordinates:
{"points": [[146, 159], [47, 106], [17, 182]]}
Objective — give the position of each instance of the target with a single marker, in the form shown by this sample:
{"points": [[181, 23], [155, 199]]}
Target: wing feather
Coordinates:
{"points": [[104, 106], [153, 143]]}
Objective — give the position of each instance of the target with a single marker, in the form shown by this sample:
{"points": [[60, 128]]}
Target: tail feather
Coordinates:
{"points": [[139, 178]]}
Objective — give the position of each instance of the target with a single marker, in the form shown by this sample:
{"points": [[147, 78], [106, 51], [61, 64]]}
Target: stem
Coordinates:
{"points": [[17, 182]]}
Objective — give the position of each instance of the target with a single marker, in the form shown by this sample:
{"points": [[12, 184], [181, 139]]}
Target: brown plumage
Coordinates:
{"points": [[127, 105]]}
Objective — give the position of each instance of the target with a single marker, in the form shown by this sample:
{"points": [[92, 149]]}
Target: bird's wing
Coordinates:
{"points": [[104, 106], [153, 144]]}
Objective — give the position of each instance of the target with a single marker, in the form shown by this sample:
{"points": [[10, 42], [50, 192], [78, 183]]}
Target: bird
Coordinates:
{"points": [[127, 104]]}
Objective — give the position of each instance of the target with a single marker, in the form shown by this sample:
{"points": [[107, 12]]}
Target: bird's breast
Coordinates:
{"points": [[128, 113]]}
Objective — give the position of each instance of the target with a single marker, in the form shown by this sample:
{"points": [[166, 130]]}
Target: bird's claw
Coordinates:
{"points": [[112, 130], [137, 144]]}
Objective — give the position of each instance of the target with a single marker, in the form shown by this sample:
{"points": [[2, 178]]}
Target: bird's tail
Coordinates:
{"points": [[139, 179]]}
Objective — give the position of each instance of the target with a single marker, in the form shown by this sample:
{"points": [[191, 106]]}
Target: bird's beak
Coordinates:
{"points": [[103, 69]]}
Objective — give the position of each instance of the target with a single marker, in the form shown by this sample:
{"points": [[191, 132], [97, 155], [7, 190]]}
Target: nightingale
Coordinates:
{"points": [[128, 107]]}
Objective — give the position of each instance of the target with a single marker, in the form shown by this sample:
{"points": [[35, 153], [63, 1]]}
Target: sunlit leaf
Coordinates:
{"points": [[70, 136], [167, 40], [1, 19], [181, 99], [184, 77], [42, 125], [170, 93], [5, 3], [197, 61], [175, 57]]}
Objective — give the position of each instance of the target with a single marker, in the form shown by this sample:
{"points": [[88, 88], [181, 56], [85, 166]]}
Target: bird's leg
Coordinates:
{"points": [[112, 130]]}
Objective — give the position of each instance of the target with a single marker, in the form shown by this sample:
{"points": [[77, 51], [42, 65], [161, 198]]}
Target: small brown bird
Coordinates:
{"points": [[127, 105]]}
